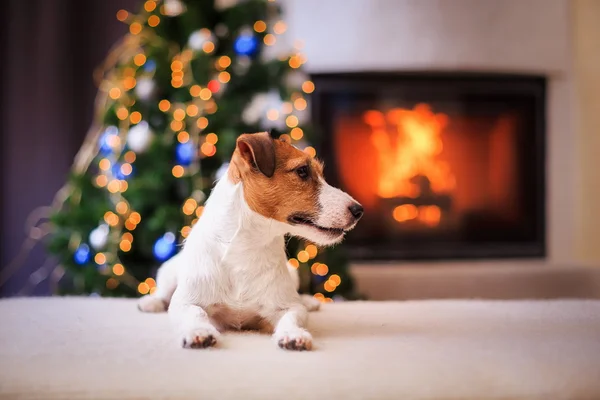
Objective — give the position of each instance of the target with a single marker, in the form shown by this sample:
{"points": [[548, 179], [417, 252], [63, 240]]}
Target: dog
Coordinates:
{"points": [[232, 270]]}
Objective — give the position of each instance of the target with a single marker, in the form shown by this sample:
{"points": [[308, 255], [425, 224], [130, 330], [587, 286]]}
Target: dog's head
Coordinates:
{"points": [[284, 183]]}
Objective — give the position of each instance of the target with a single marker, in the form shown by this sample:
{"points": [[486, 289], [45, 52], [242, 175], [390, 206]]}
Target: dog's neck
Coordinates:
{"points": [[229, 224]]}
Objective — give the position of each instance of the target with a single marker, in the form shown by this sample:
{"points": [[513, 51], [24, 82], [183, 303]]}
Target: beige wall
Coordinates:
{"points": [[586, 49]]}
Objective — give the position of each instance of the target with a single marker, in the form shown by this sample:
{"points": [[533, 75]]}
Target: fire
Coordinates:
{"points": [[410, 152], [408, 163]]}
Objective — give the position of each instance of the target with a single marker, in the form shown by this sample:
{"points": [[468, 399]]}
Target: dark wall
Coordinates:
{"points": [[50, 49]]}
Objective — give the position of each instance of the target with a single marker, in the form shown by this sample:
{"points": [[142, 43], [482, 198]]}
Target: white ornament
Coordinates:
{"points": [[222, 170], [261, 107], [139, 137], [255, 108], [144, 89], [199, 37], [99, 237]]}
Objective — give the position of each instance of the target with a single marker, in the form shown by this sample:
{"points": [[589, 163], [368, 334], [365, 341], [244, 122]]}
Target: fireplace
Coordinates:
{"points": [[447, 166]]}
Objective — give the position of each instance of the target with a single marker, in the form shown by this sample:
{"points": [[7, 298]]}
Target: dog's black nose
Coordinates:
{"points": [[356, 210]]}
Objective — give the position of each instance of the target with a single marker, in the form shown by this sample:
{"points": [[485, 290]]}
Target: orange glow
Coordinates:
{"points": [[212, 138], [176, 84], [176, 126], [224, 61], [129, 156], [150, 5], [135, 117], [286, 107], [260, 26], [111, 218], [150, 282], [192, 110], [114, 93], [135, 217], [296, 133], [320, 297], [295, 62], [122, 207], [183, 137], [411, 153], [210, 107], [328, 286], [208, 149], [164, 105], [208, 47], [130, 225], [294, 263], [143, 288], [100, 258], [123, 186], [279, 27], [176, 65], [199, 211], [135, 28], [127, 236], [153, 20], [308, 87], [205, 94], [122, 15], [322, 269], [102, 180], [177, 171], [224, 77], [335, 279], [430, 215], [125, 245], [111, 283], [202, 122], [311, 151], [273, 114], [114, 186], [303, 256], [189, 206], [139, 59], [178, 115], [118, 269], [185, 231], [285, 137], [269, 39], [291, 121], [104, 164], [300, 104], [122, 113], [312, 251], [195, 90], [129, 82]]}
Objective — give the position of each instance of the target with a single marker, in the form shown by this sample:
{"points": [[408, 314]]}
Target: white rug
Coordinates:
{"points": [[74, 348]]}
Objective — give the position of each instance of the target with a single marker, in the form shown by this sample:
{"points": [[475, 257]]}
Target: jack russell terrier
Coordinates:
{"points": [[232, 271]]}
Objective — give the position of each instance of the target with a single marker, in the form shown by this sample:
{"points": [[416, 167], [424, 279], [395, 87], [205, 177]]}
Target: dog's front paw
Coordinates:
{"points": [[298, 339], [151, 304], [200, 338]]}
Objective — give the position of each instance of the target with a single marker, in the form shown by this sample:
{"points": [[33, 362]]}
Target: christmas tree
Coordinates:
{"points": [[174, 94]]}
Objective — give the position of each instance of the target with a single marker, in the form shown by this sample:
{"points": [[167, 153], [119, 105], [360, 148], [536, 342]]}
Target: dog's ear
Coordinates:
{"points": [[258, 150]]}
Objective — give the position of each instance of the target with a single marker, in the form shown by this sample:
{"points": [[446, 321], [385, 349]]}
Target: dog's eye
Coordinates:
{"points": [[302, 172]]}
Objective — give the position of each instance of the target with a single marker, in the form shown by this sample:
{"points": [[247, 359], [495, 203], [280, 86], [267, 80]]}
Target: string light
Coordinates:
{"points": [[308, 87], [118, 269], [335, 279], [273, 114], [177, 171], [122, 113], [176, 83], [135, 217], [176, 65], [178, 115], [208, 149], [135, 28], [153, 21], [111, 218], [260, 26], [296, 133], [208, 47], [295, 62], [199, 211], [319, 296], [127, 236], [176, 126], [114, 93], [122, 15], [189, 206], [164, 105], [286, 107], [312, 251], [202, 122], [130, 225], [135, 117], [150, 5], [112, 283], [185, 231], [192, 110], [205, 94], [328, 286], [213, 86], [224, 77], [294, 263], [123, 186], [139, 59], [125, 245], [303, 256], [122, 207], [211, 107], [212, 138], [150, 282], [291, 121], [285, 137], [183, 137], [129, 82], [300, 104], [126, 169], [100, 259], [310, 151], [279, 27], [104, 164], [101, 180], [269, 39], [130, 157], [114, 186], [143, 288], [224, 61], [195, 90]]}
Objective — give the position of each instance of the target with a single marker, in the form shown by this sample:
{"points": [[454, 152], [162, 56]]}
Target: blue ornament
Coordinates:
{"points": [[82, 254], [150, 66], [164, 247], [104, 141], [245, 44], [185, 153]]}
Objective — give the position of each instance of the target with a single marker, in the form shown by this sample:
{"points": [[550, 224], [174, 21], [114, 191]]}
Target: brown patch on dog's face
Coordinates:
{"points": [[279, 180]]}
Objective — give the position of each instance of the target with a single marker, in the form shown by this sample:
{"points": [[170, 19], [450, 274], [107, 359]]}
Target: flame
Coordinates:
{"points": [[410, 152]]}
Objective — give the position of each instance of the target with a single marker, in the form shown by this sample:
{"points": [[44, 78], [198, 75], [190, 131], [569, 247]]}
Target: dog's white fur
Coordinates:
{"points": [[233, 269]]}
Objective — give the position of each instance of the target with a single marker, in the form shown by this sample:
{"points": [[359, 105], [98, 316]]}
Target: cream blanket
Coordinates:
{"points": [[74, 348]]}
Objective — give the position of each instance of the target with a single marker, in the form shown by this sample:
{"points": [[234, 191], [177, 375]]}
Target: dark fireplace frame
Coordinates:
{"points": [[473, 83]]}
